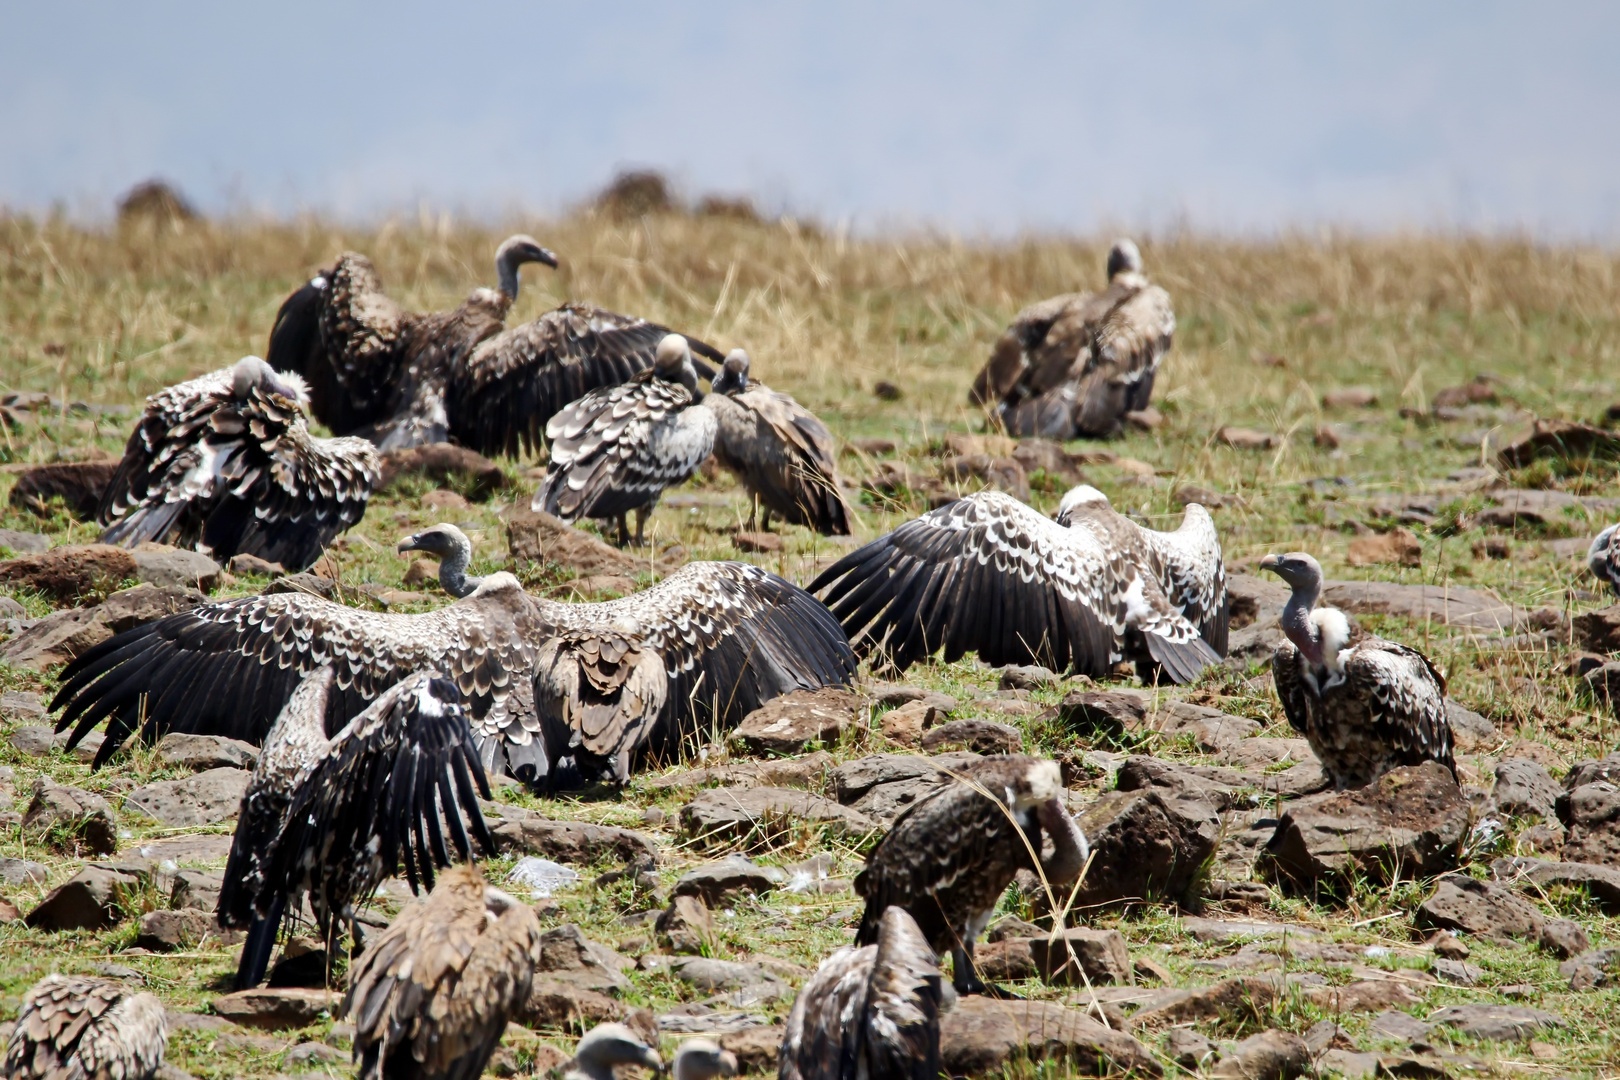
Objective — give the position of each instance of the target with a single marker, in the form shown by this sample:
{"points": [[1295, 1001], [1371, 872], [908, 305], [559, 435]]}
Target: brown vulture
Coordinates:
{"points": [[73, 1027]]}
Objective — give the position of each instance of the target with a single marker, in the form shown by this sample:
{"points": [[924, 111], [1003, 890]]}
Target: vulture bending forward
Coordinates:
{"points": [[333, 817], [72, 1027], [780, 451], [1603, 558], [988, 573], [226, 463], [617, 448], [559, 694], [431, 995], [1074, 365], [869, 1013], [948, 858], [606, 1046], [1364, 709]]}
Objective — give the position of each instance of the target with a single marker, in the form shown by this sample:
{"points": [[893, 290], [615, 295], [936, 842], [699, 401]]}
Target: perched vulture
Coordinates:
{"points": [[72, 1027], [332, 818], [617, 448], [226, 463], [948, 858], [559, 694], [606, 1046], [1366, 708], [780, 451], [1603, 558], [1074, 365], [431, 995], [988, 573], [404, 378], [868, 1013]]}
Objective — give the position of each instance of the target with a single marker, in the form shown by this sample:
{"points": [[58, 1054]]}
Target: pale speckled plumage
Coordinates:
{"points": [[73, 1027], [1603, 558], [606, 1046]]}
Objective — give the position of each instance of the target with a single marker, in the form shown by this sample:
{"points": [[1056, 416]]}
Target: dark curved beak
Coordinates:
{"points": [[547, 256], [1271, 562], [408, 544]]}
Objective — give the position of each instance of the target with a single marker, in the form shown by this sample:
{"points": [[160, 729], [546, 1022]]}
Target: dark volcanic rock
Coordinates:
{"points": [[788, 724], [79, 484], [1269, 1055], [203, 752], [1027, 677], [277, 1009], [57, 638], [573, 841], [1563, 938], [1146, 845], [1592, 970], [760, 812], [1142, 773], [176, 568], [196, 889], [203, 799], [979, 736], [537, 537], [1089, 712], [1082, 954], [882, 786], [718, 881], [1497, 1023], [167, 931], [66, 818], [1523, 789], [982, 1035], [68, 574], [1597, 631], [1479, 907], [1591, 812], [567, 954], [1602, 882], [1590, 772], [1409, 823], [129, 608], [443, 463], [93, 899], [686, 926]]}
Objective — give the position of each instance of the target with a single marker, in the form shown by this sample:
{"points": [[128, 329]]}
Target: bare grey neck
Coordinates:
{"points": [[1296, 620], [506, 275], [453, 571]]}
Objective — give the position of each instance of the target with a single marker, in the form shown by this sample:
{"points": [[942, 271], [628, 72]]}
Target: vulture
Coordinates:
{"points": [[617, 448], [404, 378], [868, 1013], [72, 1027], [990, 574], [780, 451], [1074, 365], [431, 995], [1603, 558], [331, 818], [606, 1046], [1364, 708], [703, 1059], [226, 463], [948, 858], [559, 694]]}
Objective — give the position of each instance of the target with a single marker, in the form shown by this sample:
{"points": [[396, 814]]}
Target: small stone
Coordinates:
{"points": [[1523, 789], [1146, 844], [68, 819], [314, 1053], [1081, 954], [1325, 1034], [686, 926], [761, 543], [1497, 1023], [981, 1036], [724, 813], [23, 872], [1398, 546], [93, 899], [421, 572], [1350, 397], [654, 816], [905, 725], [1591, 970], [1563, 938], [1405, 1027], [246, 564], [1449, 946], [1027, 677], [1245, 438], [719, 881], [886, 391], [202, 752], [1091, 713], [442, 463], [276, 1009], [167, 931], [177, 569], [203, 799], [9, 912], [33, 741], [557, 1004], [1365, 995], [196, 889], [1148, 419], [445, 499], [979, 736], [874, 447], [1591, 812], [1479, 907], [20, 705], [790, 723], [1457, 972], [1270, 1055], [755, 1048], [573, 841], [1326, 437], [1189, 1049]]}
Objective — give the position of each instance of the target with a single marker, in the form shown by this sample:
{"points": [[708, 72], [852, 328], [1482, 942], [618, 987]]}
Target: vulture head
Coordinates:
{"points": [[702, 1059], [454, 550], [1599, 556], [1318, 633], [513, 253], [733, 377], [607, 1045], [1075, 498], [1123, 257], [250, 372], [673, 362]]}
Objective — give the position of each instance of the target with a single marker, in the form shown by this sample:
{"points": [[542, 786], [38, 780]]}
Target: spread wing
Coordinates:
{"points": [[1406, 696], [76, 1026], [1191, 570], [1026, 353], [985, 573], [507, 389], [900, 1021], [783, 454], [1130, 343], [228, 668]]}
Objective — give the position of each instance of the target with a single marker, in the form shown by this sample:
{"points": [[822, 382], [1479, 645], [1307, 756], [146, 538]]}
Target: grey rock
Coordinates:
{"points": [[68, 818], [129, 608], [1211, 730], [1590, 772], [1475, 609], [1602, 882], [33, 740], [57, 638], [573, 841], [1087, 712], [1457, 972], [203, 799], [1523, 789], [1225, 930], [1251, 598], [93, 899], [1189, 1049], [1563, 938], [1591, 812], [807, 770], [168, 931], [21, 705], [24, 543], [1007, 959], [245, 564], [1393, 1024], [790, 723], [1140, 772], [188, 848], [979, 736], [566, 953], [1082, 954], [719, 881], [190, 569], [716, 975], [1265, 753], [196, 889], [16, 872], [314, 1053], [854, 780], [1497, 1023], [276, 1008], [306, 583], [981, 1036], [686, 926], [1592, 970], [1268, 1055], [725, 813], [1352, 1065], [203, 752], [1027, 677], [889, 695], [1146, 845], [1470, 730], [1482, 908]]}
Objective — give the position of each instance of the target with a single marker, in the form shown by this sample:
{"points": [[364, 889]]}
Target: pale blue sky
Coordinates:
{"points": [[978, 118]]}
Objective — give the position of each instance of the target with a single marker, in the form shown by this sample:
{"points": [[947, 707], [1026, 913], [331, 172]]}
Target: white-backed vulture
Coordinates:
{"points": [[332, 818], [868, 1013], [783, 454], [989, 574], [1364, 708], [226, 463], [1603, 558], [607, 1046], [560, 694], [1074, 365], [431, 995], [73, 1027], [617, 448], [950, 855], [702, 1059]]}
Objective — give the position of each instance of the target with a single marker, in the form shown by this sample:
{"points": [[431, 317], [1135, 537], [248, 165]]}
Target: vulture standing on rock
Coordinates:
{"points": [[431, 995], [333, 817], [780, 451], [948, 858], [988, 573], [1366, 708], [1074, 365], [559, 694], [1603, 558], [869, 1013], [617, 448], [72, 1027], [226, 463]]}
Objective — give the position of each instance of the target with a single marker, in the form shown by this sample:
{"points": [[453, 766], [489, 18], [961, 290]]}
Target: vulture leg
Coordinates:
{"points": [[641, 525], [624, 530], [965, 976], [765, 519]]}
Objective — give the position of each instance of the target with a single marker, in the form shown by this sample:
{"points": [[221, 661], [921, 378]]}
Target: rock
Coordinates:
{"points": [[1227, 930], [23, 871], [277, 1009], [686, 926], [567, 954], [762, 543], [1470, 730], [1399, 547], [1027, 677], [1139, 772], [1409, 823], [1002, 473], [1602, 882], [1203, 496], [167, 931], [1592, 772], [1481, 908], [177, 568], [1146, 845], [57, 638], [33, 740], [202, 752], [1497, 1023], [889, 695], [1523, 789], [314, 1053], [1564, 439], [1597, 631], [93, 899], [1591, 970], [21, 705], [979, 736], [129, 608], [1245, 438], [1088, 712], [1190, 1050], [244, 564], [203, 799], [1148, 419], [1393, 1024], [1563, 938], [1457, 972], [713, 975], [752, 813], [718, 881], [24, 543], [982, 1035], [1475, 609], [905, 724], [1269, 1055], [79, 484], [1212, 730], [1078, 955], [881, 786], [303, 582], [1350, 397], [806, 771], [188, 848], [537, 537], [1365, 995], [558, 1004], [67, 819], [69, 574], [444, 499], [573, 841], [1243, 995], [874, 447], [443, 463], [788, 724], [1006, 960], [1591, 812], [9, 912], [755, 1048], [196, 889]]}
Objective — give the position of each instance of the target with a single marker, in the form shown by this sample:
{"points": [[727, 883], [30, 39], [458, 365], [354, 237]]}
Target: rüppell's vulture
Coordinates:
{"points": [[617, 448], [332, 818], [702, 1059], [606, 1047], [225, 463], [781, 452], [73, 1027], [948, 858], [1603, 558], [431, 995], [989, 574], [1074, 365], [1364, 708]]}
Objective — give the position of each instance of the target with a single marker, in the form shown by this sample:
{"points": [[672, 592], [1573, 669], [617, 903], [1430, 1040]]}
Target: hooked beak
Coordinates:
{"points": [[653, 1061], [728, 1063], [1270, 562], [547, 256], [408, 544]]}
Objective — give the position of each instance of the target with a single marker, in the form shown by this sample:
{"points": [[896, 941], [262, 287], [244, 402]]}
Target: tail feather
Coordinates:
{"points": [[260, 943], [1183, 661]]}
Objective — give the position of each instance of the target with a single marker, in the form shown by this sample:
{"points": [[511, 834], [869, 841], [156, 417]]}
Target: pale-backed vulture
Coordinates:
{"points": [[73, 1027]]}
